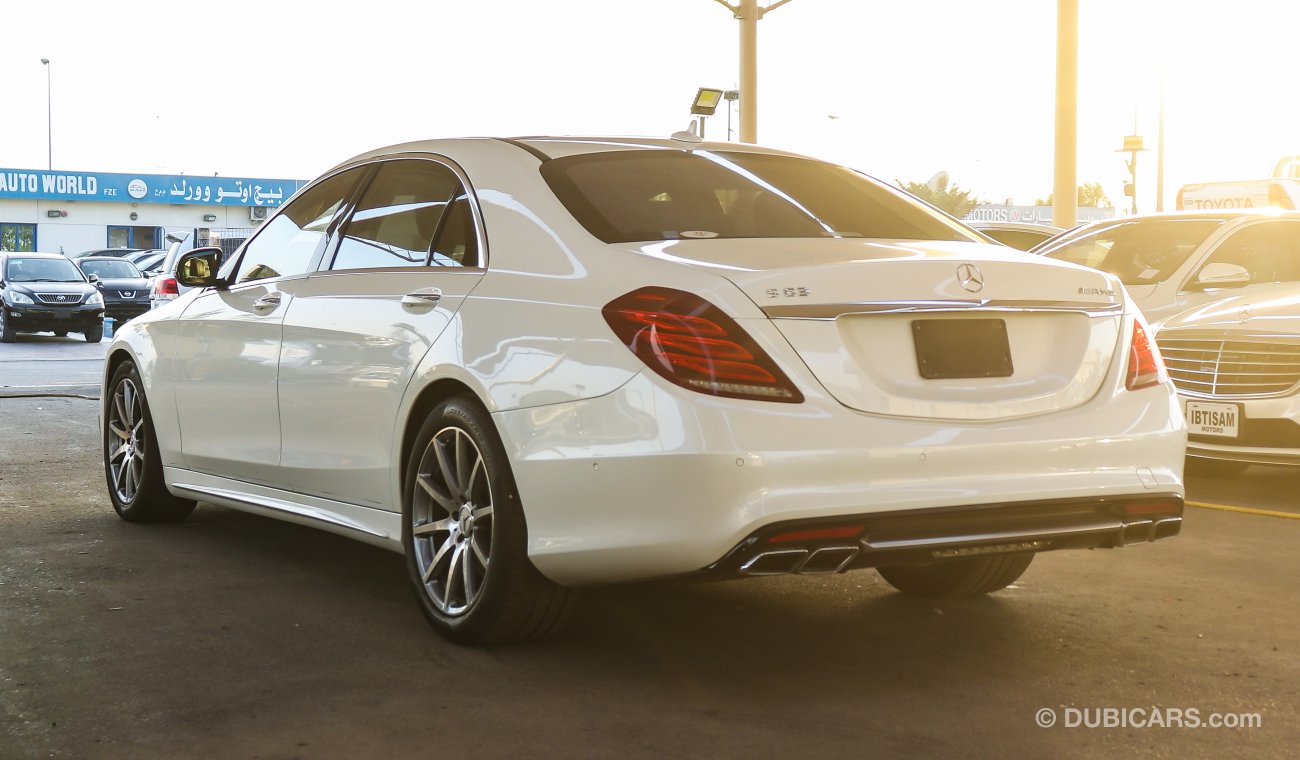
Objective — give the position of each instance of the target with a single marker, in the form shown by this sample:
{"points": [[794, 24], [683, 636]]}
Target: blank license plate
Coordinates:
{"points": [[950, 349], [1205, 418]]}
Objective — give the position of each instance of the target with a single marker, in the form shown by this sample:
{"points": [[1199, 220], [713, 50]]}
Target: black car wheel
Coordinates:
{"points": [[7, 332], [969, 576], [94, 334], [465, 538], [132, 465]]}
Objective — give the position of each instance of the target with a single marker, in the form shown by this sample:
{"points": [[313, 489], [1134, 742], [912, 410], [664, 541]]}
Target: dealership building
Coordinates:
{"points": [[68, 211]]}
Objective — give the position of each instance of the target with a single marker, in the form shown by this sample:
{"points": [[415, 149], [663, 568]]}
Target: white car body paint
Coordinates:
{"points": [[1265, 320], [622, 474]]}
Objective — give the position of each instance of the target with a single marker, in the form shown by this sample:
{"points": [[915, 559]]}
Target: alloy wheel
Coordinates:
{"points": [[451, 520], [126, 424]]}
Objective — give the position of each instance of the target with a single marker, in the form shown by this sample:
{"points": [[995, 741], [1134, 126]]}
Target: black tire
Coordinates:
{"points": [[132, 466], [7, 332], [60, 333], [1216, 468], [970, 576], [94, 334], [465, 537]]}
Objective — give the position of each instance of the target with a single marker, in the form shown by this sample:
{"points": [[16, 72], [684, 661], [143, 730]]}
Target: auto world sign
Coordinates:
{"points": [[32, 184]]}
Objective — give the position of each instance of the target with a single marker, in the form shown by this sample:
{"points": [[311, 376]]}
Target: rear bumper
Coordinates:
{"points": [[651, 481], [918, 537]]}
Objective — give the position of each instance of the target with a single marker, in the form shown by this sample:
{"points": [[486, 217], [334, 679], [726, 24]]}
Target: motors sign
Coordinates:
{"points": [[30, 184], [993, 212]]}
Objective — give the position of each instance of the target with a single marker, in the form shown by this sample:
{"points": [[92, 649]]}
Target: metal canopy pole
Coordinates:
{"points": [[749, 14], [1065, 192]]}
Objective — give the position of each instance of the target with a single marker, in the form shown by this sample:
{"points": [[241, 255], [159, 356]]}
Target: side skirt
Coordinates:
{"points": [[373, 526]]}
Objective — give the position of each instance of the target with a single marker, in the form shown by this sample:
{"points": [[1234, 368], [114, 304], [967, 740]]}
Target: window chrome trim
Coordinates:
{"points": [[833, 311], [398, 270], [480, 231]]}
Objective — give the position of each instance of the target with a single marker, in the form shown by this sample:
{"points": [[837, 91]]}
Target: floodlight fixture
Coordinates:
{"points": [[706, 101]]}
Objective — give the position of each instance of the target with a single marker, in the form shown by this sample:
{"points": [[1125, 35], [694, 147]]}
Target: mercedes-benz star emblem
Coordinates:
{"points": [[970, 277]]}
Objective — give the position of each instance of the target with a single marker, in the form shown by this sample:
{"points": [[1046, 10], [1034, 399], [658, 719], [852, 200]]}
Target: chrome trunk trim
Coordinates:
{"points": [[832, 311]]}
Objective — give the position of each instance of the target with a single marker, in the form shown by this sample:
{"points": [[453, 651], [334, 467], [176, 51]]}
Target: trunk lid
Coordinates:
{"points": [[1035, 335]]}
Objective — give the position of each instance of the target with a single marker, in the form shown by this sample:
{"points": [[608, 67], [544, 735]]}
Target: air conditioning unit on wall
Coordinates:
{"points": [[258, 213]]}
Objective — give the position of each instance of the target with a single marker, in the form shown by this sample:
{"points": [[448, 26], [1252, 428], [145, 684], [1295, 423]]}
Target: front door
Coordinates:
{"points": [[228, 364]]}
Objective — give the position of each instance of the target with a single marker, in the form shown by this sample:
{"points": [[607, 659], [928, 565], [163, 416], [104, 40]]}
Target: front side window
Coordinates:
{"points": [[1138, 252], [42, 270], [17, 237], [398, 216], [287, 243], [644, 195], [1267, 250]]}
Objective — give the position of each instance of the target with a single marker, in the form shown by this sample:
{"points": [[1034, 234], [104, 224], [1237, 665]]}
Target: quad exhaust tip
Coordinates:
{"points": [[822, 561]]}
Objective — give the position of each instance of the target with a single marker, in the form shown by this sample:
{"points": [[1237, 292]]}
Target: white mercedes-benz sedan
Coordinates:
{"points": [[536, 364], [1236, 364]]}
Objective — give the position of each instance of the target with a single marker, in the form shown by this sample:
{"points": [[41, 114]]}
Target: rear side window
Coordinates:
{"points": [[645, 195], [1139, 252], [399, 215]]}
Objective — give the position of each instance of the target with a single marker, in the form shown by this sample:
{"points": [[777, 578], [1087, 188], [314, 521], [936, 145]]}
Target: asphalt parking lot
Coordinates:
{"points": [[237, 636]]}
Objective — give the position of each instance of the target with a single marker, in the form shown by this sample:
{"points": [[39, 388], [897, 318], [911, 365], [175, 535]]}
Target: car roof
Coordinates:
{"points": [[34, 255], [1044, 229], [545, 148], [1224, 214], [84, 259]]}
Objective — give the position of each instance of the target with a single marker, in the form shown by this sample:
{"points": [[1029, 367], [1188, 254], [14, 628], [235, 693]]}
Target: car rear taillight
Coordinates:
{"points": [[692, 343], [1278, 197], [1145, 365], [165, 286]]}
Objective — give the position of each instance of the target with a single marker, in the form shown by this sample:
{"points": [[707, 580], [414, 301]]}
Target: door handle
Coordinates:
{"points": [[266, 303], [424, 297]]}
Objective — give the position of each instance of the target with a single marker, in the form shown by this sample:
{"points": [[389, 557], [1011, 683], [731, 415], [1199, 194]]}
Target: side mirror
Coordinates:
{"points": [[1221, 275], [198, 268], [94, 279]]}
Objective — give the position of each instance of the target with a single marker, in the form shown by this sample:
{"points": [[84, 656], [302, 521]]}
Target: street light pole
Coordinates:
{"points": [[748, 13], [1160, 150], [1065, 192], [49, 116]]}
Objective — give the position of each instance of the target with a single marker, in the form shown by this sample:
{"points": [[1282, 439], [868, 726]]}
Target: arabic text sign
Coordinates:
{"points": [[33, 184]]}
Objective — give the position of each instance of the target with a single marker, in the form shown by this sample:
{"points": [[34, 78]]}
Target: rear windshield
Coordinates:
{"points": [[42, 270], [645, 195], [1138, 252], [111, 270]]}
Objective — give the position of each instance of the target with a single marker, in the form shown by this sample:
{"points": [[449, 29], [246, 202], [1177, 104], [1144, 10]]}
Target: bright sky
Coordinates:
{"points": [[275, 89]]}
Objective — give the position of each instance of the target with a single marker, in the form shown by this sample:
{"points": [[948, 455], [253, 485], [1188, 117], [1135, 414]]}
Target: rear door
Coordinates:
{"points": [[229, 346], [391, 284]]}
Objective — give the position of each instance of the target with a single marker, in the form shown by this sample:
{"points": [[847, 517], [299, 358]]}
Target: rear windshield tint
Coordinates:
{"points": [[1139, 251], [645, 195]]}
